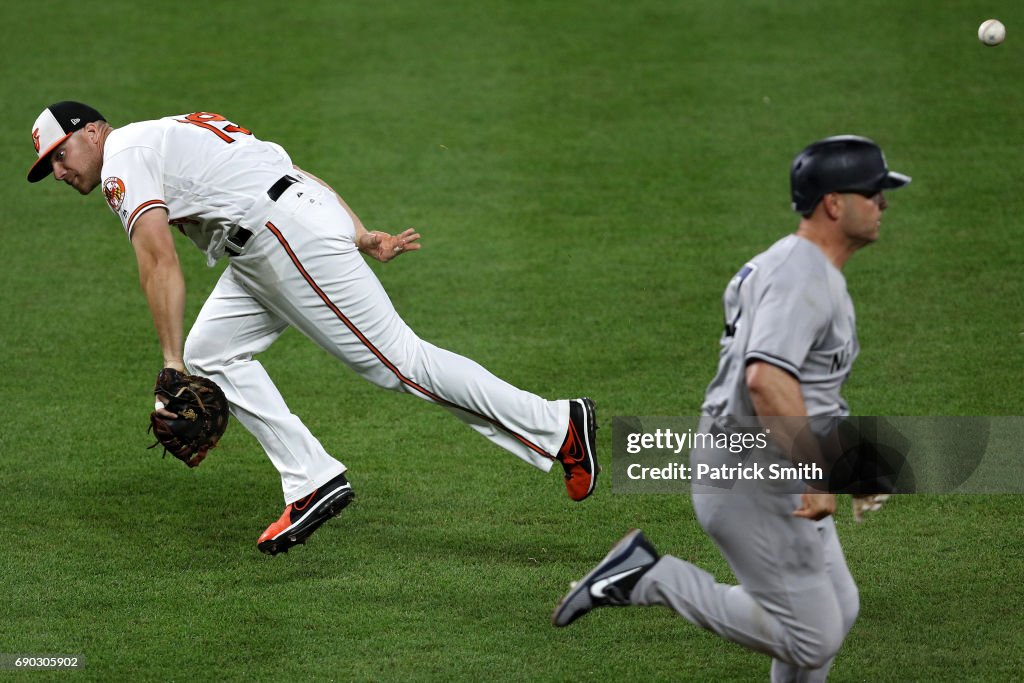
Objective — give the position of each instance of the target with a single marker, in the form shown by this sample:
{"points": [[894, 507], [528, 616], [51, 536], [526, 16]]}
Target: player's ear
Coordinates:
{"points": [[832, 203], [92, 131]]}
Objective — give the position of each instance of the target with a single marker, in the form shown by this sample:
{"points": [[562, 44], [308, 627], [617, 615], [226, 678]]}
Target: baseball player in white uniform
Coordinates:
{"points": [[293, 249], [788, 346]]}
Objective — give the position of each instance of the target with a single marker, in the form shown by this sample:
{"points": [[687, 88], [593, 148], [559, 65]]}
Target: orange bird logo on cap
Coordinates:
{"points": [[35, 139]]}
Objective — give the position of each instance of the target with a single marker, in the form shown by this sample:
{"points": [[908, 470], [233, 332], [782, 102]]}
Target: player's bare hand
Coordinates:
{"points": [[815, 505], [384, 247], [868, 503]]}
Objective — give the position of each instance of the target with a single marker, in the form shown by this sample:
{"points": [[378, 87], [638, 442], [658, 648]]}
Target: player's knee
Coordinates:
{"points": [[850, 607], [818, 644], [848, 600], [401, 370]]}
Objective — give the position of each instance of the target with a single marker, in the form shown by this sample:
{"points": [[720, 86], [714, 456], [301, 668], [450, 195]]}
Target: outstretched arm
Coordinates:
{"points": [[380, 245], [162, 282]]}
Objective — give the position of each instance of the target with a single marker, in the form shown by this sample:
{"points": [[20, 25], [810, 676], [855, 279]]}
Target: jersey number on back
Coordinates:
{"points": [[216, 124]]}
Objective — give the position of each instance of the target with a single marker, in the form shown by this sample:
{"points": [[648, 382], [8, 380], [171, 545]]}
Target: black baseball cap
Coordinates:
{"points": [[843, 163], [54, 126]]}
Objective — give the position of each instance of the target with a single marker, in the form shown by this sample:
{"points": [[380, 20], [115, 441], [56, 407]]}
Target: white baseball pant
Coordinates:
{"points": [[301, 268]]}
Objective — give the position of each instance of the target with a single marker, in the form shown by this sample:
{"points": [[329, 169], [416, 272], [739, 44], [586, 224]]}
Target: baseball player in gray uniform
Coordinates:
{"points": [[293, 249], [788, 346]]}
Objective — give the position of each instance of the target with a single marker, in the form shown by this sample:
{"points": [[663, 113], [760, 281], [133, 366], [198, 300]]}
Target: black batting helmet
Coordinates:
{"points": [[844, 163]]}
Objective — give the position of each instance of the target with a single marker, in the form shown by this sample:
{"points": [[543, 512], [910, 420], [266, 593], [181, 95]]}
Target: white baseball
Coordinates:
{"points": [[991, 32]]}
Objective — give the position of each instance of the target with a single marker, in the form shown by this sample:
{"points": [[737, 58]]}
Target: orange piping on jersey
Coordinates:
{"points": [[143, 208], [380, 356]]}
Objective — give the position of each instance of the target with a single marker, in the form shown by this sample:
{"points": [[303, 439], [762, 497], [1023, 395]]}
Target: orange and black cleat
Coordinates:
{"points": [[578, 453], [304, 516]]}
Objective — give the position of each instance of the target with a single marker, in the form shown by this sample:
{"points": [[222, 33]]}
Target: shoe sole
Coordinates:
{"points": [[301, 530], [583, 585]]}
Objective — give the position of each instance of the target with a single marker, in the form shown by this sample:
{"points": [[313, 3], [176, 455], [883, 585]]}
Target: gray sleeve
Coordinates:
{"points": [[790, 315]]}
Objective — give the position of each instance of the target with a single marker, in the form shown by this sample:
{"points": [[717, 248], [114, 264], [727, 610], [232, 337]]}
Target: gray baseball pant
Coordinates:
{"points": [[796, 599]]}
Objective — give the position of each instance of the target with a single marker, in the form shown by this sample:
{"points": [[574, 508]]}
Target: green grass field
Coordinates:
{"points": [[587, 177]]}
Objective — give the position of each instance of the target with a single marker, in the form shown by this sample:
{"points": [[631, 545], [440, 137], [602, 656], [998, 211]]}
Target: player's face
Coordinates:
{"points": [[862, 216], [78, 162]]}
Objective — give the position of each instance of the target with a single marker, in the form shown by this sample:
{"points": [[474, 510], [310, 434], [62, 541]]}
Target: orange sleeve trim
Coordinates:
{"points": [[141, 209]]}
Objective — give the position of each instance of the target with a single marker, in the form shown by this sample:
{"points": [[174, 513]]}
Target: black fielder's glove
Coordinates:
{"points": [[202, 414]]}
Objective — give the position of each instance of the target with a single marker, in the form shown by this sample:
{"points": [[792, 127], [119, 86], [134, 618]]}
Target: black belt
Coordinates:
{"points": [[236, 243], [278, 188]]}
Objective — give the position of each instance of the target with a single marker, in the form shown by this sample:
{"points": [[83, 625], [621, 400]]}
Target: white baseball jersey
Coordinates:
{"points": [[204, 170]]}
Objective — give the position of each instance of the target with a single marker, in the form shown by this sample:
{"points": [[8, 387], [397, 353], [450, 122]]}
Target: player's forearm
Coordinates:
{"points": [[164, 287], [779, 404], [359, 227], [361, 231], [773, 391], [162, 282]]}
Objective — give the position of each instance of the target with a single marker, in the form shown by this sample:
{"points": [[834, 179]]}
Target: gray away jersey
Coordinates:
{"points": [[788, 307]]}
